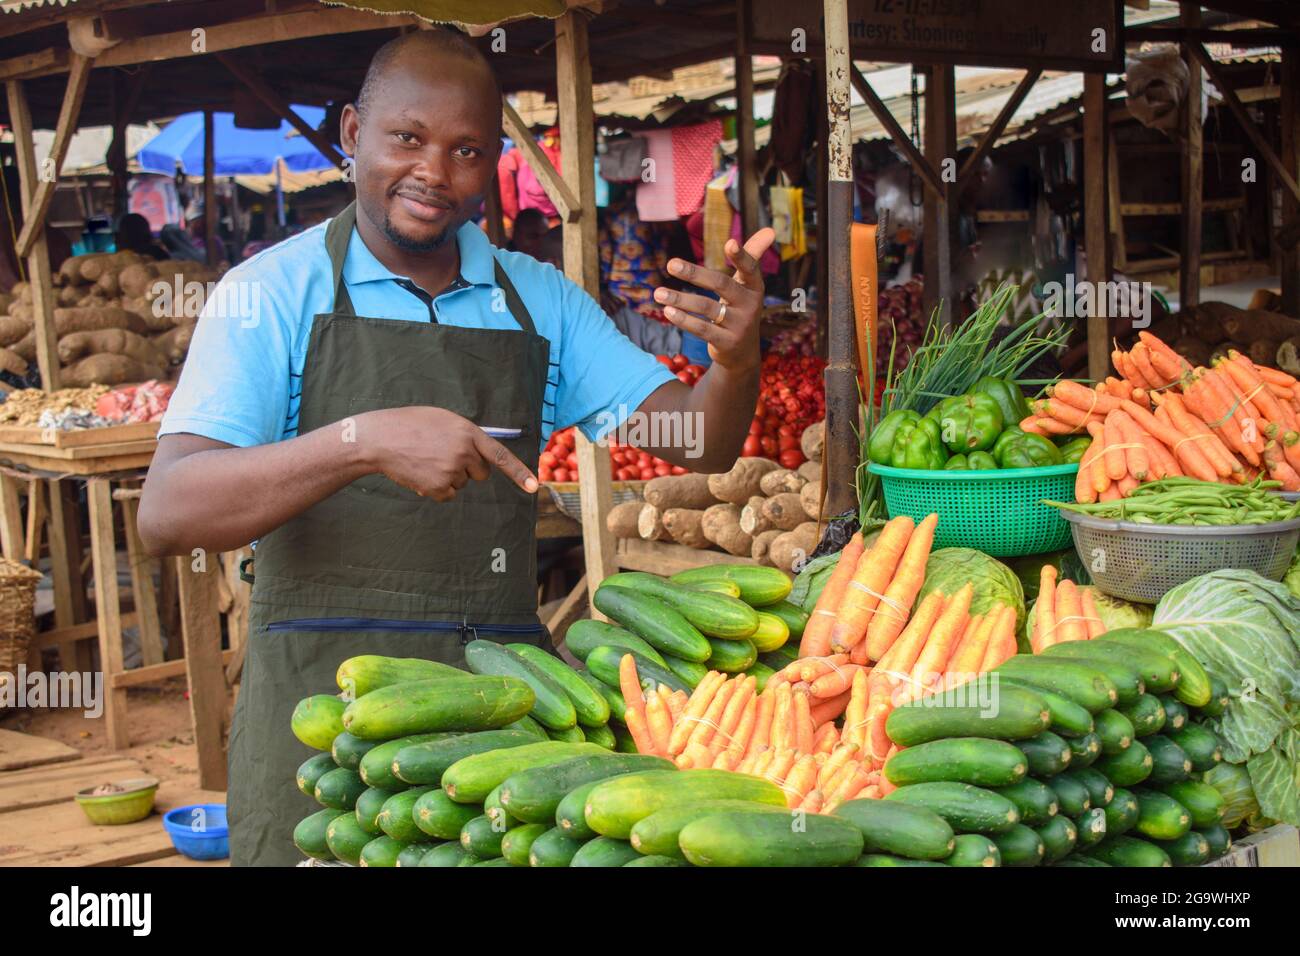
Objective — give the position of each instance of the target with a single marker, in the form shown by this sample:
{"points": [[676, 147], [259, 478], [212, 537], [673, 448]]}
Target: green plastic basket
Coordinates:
{"points": [[999, 511]]}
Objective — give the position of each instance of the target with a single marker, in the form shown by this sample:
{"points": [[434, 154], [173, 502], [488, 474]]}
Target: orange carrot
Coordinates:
{"points": [[825, 709], [704, 729], [839, 759], [1183, 448], [1002, 642], [816, 640], [1091, 617], [1069, 613], [1142, 360], [762, 736], [875, 570], [1242, 371], [781, 719], [813, 802], [801, 779], [1279, 469], [1100, 477], [1083, 490], [966, 659], [635, 718], [1084, 399], [630, 684], [811, 668], [1203, 402], [1045, 628], [731, 715], [855, 714], [896, 605], [1136, 459], [850, 785], [1040, 425], [1220, 460], [763, 762], [827, 738], [677, 703], [780, 766], [659, 723], [947, 631], [803, 724], [739, 743], [1061, 411], [1116, 465], [1232, 401], [836, 682], [695, 710], [1032, 426]]}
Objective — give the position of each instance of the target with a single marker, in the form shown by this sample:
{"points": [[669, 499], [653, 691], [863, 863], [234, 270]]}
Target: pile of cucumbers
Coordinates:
{"points": [[1084, 755]]}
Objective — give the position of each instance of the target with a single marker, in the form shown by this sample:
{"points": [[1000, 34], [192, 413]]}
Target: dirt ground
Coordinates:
{"points": [[158, 716]]}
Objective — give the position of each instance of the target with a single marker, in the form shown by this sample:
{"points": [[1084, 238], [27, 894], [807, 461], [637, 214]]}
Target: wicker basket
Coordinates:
{"points": [[17, 613]]}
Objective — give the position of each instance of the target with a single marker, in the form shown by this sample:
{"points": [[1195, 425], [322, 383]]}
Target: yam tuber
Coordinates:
{"points": [[92, 265], [686, 526], [175, 343], [69, 295], [752, 519], [106, 285], [760, 551], [742, 482], [650, 524], [11, 361], [790, 551], [721, 525], [90, 320], [811, 498], [622, 519], [23, 310], [784, 511], [813, 441], [811, 470], [136, 280], [1262, 351], [76, 345], [6, 300], [780, 480], [12, 329], [107, 369], [70, 270], [26, 346], [1288, 356], [679, 491]]}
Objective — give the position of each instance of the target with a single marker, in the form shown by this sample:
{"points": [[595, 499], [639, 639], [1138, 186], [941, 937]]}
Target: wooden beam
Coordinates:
{"points": [[557, 190], [744, 65], [153, 673], [40, 63], [204, 667], [280, 106], [126, 97], [34, 215], [1096, 198], [1244, 38], [995, 131], [1290, 116], [210, 190], [939, 233], [1193, 172], [1115, 207], [108, 610], [929, 175]]}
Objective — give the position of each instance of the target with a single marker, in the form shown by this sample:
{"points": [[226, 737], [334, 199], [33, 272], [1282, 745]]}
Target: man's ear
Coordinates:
{"points": [[349, 129]]}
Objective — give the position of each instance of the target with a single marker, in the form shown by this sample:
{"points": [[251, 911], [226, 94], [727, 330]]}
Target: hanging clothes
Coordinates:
{"points": [[633, 255], [693, 148], [787, 221], [507, 170], [531, 193], [793, 127], [656, 198], [717, 222]]}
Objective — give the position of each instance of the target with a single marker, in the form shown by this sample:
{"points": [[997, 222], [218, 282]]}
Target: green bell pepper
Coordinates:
{"points": [[981, 461], [1009, 435], [970, 423], [1072, 451], [881, 445], [1011, 401], [1030, 451], [916, 446], [956, 463]]}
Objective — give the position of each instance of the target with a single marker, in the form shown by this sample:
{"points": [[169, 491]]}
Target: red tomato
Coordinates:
{"points": [[562, 474], [571, 462], [545, 474], [769, 446], [696, 370], [665, 360], [679, 470], [565, 438], [752, 447], [785, 430], [627, 474], [663, 469], [684, 376], [644, 459], [547, 460], [786, 442], [756, 427], [791, 458], [679, 362], [647, 473]]}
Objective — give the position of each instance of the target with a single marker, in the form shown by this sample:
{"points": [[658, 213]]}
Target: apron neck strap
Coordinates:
{"points": [[515, 304]]}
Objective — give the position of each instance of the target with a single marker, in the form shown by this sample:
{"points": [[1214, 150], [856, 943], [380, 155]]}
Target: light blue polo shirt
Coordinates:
{"points": [[242, 381]]}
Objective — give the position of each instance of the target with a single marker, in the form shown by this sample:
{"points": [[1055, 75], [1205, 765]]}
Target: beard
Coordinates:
{"points": [[410, 243]]}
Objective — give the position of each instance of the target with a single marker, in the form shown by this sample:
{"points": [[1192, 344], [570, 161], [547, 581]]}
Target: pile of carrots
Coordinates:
{"points": [[1230, 423], [1064, 612]]}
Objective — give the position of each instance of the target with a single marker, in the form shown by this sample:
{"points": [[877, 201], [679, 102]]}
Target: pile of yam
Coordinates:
{"points": [[1205, 332]]}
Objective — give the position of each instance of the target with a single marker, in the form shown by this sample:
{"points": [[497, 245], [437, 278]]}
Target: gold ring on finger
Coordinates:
{"points": [[722, 313]]}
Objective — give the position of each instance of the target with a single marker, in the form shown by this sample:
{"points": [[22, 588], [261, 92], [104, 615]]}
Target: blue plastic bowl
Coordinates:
{"points": [[199, 830]]}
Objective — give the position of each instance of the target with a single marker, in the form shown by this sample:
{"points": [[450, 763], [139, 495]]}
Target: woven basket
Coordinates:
{"points": [[17, 613]]}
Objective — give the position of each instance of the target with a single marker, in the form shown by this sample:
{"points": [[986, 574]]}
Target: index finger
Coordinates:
{"points": [[746, 258], [499, 456]]}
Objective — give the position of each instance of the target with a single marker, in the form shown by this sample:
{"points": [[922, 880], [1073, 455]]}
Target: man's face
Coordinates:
{"points": [[528, 236], [426, 150]]}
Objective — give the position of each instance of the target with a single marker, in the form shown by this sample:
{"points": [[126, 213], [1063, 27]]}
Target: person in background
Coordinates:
{"points": [[133, 233], [530, 228]]}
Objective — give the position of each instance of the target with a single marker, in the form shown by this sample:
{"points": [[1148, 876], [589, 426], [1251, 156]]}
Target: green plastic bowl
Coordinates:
{"points": [[134, 803], [998, 511]]}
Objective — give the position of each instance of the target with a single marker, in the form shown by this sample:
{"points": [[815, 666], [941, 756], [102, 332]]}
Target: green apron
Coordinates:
{"points": [[375, 568]]}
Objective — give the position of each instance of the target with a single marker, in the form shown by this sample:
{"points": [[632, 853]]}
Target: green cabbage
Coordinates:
{"points": [[1232, 780], [1292, 579], [810, 580], [949, 569]]}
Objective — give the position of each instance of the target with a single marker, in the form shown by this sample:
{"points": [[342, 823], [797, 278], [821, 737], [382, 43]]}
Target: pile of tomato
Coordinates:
{"points": [[791, 396], [685, 370]]}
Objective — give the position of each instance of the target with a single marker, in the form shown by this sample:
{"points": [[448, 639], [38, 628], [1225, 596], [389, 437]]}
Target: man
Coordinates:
{"points": [[530, 228], [341, 423]]}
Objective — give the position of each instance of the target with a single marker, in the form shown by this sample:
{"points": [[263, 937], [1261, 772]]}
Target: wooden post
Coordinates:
{"points": [[940, 211], [209, 190], [821, 191], [1096, 196], [1119, 245], [841, 376], [1290, 109], [581, 265], [745, 122], [11, 519], [1189, 267], [204, 669], [146, 599], [108, 610], [496, 230]]}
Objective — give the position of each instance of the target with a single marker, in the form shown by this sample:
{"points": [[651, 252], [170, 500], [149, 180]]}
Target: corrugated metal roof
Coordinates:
{"points": [[17, 6]]}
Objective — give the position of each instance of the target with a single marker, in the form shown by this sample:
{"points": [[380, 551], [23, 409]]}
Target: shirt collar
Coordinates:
{"points": [[476, 259]]}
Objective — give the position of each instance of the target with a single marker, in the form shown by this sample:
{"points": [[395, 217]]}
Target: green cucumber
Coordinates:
{"points": [[1081, 861], [1218, 701], [761, 674], [309, 834], [1122, 812], [1126, 678], [712, 614], [967, 809], [553, 848], [772, 633], [1200, 744], [718, 586], [468, 859], [425, 762], [1176, 713], [653, 620], [1127, 768], [1068, 718], [464, 703], [1160, 672], [1072, 796], [446, 854], [592, 709], [1194, 684], [472, 778], [974, 849], [1100, 790], [886, 859], [614, 806], [1160, 816], [534, 795], [1059, 836], [551, 705], [495, 810], [482, 837], [656, 835], [689, 673], [413, 853], [377, 765], [759, 586], [317, 720], [1084, 750], [1020, 846], [899, 828], [603, 851], [570, 815], [731, 838], [1116, 732], [1047, 754], [1091, 827], [1080, 682], [573, 735], [731, 657], [339, 789], [655, 861], [516, 842], [626, 744], [1169, 762], [601, 736], [349, 750], [358, 676], [973, 760], [1204, 804], [617, 706], [966, 712], [495, 862], [1190, 849], [1146, 714], [368, 806], [795, 617], [604, 662], [1128, 851], [346, 839], [585, 636], [1035, 800], [1219, 839], [311, 770], [397, 816], [438, 815], [382, 851]]}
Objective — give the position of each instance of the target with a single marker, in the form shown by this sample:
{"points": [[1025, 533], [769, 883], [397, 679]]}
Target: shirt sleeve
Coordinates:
{"points": [[603, 377], [236, 386]]}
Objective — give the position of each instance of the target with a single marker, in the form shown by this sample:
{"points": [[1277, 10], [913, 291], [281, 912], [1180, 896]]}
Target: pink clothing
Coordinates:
{"points": [[507, 169], [656, 199], [693, 163]]}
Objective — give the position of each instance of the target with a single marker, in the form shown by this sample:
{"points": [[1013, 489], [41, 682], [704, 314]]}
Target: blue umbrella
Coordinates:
{"points": [[238, 151]]}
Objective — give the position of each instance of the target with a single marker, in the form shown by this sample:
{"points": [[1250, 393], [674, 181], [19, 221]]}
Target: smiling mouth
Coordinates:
{"points": [[422, 206]]}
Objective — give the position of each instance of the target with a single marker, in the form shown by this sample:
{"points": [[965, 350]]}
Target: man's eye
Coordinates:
{"points": [[466, 152], [407, 138]]}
